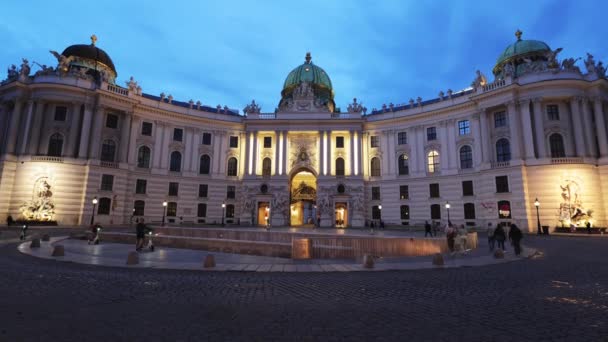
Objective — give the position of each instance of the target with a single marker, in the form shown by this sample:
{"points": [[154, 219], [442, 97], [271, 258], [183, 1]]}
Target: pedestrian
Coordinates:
{"points": [[491, 240], [450, 234], [371, 226], [435, 228], [588, 225], [500, 236], [515, 235], [381, 225], [9, 220], [427, 229], [140, 232]]}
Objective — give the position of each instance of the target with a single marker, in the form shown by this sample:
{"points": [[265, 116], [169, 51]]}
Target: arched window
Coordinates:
{"points": [[172, 209], [266, 167], [232, 167], [176, 162], [104, 206], [404, 168], [375, 164], [469, 211], [556, 142], [108, 151], [229, 210], [55, 145], [143, 157], [339, 167], [466, 157], [204, 165], [433, 161], [139, 207], [435, 212], [503, 150]]}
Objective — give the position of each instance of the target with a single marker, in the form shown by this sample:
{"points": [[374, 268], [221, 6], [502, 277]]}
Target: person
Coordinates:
{"points": [[491, 241], [435, 228], [588, 225], [450, 234], [515, 236], [9, 220], [499, 235], [23, 232], [427, 229], [140, 232], [371, 227], [381, 224], [95, 230]]}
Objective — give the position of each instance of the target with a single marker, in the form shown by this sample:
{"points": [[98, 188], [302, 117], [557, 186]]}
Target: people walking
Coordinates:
{"points": [[515, 235], [588, 225], [140, 232], [450, 234], [427, 229], [491, 240], [500, 236]]}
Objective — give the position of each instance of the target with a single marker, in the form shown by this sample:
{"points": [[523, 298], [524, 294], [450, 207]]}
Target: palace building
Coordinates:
{"points": [[533, 136]]}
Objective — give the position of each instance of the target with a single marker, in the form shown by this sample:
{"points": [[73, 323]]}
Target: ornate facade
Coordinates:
{"points": [[538, 130]]}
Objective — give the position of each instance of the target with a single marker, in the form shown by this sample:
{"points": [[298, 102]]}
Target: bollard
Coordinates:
{"points": [[209, 261], [58, 251], [368, 261], [46, 237], [438, 260], [35, 243], [133, 258], [499, 254]]}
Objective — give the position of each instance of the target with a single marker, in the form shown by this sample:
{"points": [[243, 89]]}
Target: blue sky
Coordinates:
{"points": [[229, 52]]}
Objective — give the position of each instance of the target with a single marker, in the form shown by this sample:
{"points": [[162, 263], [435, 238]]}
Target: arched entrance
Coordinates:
{"points": [[303, 192]]}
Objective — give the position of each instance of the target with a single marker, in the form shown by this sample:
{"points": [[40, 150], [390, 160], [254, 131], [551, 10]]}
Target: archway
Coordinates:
{"points": [[303, 193]]}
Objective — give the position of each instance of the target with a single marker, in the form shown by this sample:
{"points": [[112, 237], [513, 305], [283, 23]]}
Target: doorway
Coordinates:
{"points": [[263, 213], [341, 215], [303, 209]]}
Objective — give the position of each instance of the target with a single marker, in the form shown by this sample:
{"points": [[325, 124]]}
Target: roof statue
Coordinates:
{"points": [[93, 39], [480, 80], [63, 62]]}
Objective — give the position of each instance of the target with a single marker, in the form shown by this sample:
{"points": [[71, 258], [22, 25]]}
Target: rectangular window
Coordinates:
{"points": [[339, 142], [178, 134], [140, 186], [171, 209], [435, 212], [112, 121], [553, 112], [434, 190], [502, 184], [61, 113], [234, 141], [107, 182], [173, 189], [230, 191], [405, 212], [201, 210], [267, 142], [404, 192], [376, 215], [464, 127], [206, 138], [500, 119], [469, 211], [202, 190], [402, 138], [375, 193], [431, 133], [146, 128], [374, 141], [467, 188], [230, 211]]}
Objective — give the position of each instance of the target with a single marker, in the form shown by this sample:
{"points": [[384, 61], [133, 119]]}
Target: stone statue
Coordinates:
{"points": [[552, 58], [252, 108], [419, 101], [590, 63], [600, 70], [132, 84], [63, 62], [480, 80], [12, 72], [568, 65], [508, 70], [411, 103], [25, 68], [41, 206], [356, 107]]}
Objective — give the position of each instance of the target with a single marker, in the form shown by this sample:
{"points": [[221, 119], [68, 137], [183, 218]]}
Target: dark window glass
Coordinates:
{"points": [[172, 209], [503, 150], [434, 190], [173, 189], [143, 157], [464, 127], [553, 112], [267, 142], [402, 138], [404, 192], [232, 167], [339, 167], [206, 138], [104, 206], [203, 190], [504, 209], [435, 212], [60, 113], [375, 167], [112, 121], [500, 119], [466, 157], [467, 188], [234, 141], [405, 212], [107, 182], [403, 165], [502, 184], [204, 165], [146, 128], [230, 191], [55, 145], [339, 142], [469, 211], [175, 164], [266, 167], [229, 210], [178, 134], [375, 193], [264, 188], [140, 186], [374, 141], [201, 210], [376, 215], [556, 143], [341, 189], [139, 207], [431, 133], [108, 151]]}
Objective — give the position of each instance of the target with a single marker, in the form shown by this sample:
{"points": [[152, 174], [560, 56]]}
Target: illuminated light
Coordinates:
{"points": [[356, 154], [281, 154], [324, 153], [251, 153]]}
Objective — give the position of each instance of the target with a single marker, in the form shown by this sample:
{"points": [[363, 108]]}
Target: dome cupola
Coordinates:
{"points": [[89, 56], [520, 52]]}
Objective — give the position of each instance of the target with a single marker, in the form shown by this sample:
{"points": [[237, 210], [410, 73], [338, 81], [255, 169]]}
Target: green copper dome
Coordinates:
{"points": [[521, 48], [307, 72]]}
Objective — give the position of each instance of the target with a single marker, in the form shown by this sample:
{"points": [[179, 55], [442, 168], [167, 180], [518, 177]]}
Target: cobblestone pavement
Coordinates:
{"points": [[561, 296]]}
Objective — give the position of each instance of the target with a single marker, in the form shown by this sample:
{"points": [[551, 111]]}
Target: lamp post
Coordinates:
{"points": [[268, 217], [132, 216], [447, 207], [537, 205], [380, 212], [164, 211], [94, 205], [223, 212]]}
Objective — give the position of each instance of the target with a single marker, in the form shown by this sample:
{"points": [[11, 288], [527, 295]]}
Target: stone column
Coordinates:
{"points": [[330, 158], [26, 127], [443, 153], [477, 142], [194, 157], [514, 131], [255, 153], [13, 128], [577, 124], [125, 129], [275, 162], [539, 129], [85, 131], [524, 107], [360, 143], [321, 156], [484, 142], [600, 124], [588, 128], [217, 143], [413, 155], [284, 156], [36, 128], [135, 129], [451, 146], [158, 143], [351, 155], [74, 129], [223, 160], [95, 145], [247, 153]]}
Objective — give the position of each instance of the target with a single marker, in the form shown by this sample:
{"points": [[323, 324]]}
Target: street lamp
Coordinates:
{"points": [[223, 212], [447, 207], [267, 217], [94, 205], [537, 205], [164, 211]]}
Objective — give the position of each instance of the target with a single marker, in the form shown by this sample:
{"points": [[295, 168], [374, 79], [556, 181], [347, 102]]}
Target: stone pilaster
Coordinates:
{"points": [[26, 127], [524, 107], [539, 129], [85, 131], [37, 128], [74, 129], [514, 131], [577, 124], [600, 124], [95, 145]]}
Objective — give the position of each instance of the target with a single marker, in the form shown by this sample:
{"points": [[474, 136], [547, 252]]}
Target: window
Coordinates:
{"points": [[173, 188], [503, 150], [172, 209], [231, 191], [204, 165], [108, 151], [403, 165], [104, 206], [556, 143], [500, 119], [405, 212], [175, 164], [375, 165], [504, 209], [339, 167], [266, 167], [431, 133], [107, 182], [206, 138], [466, 157], [229, 210], [375, 193], [140, 186], [267, 142], [201, 210], [146, 128], [55, 145], [61, 113], [502, 184], [376, 213], [435, 212], [202, 190], [553, 112], [143, 157], [404, 192], [433, 161], [434, 190], [402, 138], [374, 141], [469, 211], [341, 188], [339, 142], [139, 207], [467, 188], [232, 167], [112, 121], [464, 127], [234, 141], [178, 134]]}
